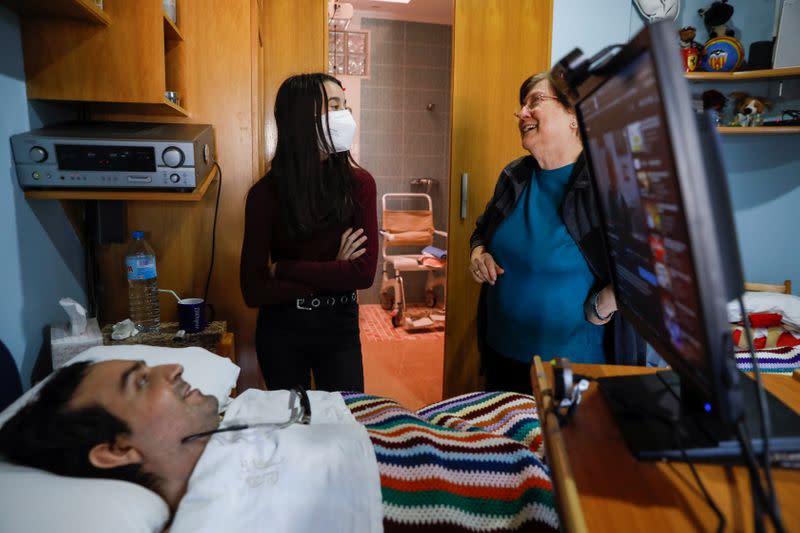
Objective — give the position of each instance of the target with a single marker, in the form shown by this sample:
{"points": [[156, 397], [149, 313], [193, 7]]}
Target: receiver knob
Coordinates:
{"points": [[174, 178], [38, 154], [172, 157]]}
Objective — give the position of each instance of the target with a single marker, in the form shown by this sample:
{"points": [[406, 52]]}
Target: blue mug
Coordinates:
{"points": [[192, 314]]}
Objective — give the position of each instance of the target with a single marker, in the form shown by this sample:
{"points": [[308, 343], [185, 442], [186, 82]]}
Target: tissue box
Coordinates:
{"points": [[64, 346]]}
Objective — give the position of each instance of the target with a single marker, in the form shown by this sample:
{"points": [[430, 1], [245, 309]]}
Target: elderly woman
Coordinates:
{"points": [[538, 252]]}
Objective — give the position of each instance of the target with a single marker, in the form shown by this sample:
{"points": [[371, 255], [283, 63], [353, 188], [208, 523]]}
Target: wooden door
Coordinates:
{"points": [[496, 45], [295, 41]]}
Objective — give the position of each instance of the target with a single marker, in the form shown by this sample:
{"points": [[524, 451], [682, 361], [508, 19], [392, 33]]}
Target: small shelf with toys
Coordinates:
{"points": [[788, 72]]}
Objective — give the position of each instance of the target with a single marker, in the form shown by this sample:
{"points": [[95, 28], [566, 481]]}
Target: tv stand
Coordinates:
{"points": [[614, 491], [656, 423]]}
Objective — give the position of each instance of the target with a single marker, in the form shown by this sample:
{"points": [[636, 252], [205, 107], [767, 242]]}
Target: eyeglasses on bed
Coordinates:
{"points": [[300, 415]]}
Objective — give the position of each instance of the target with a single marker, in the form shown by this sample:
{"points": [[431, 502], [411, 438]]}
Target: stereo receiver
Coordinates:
{"points": [[114, 155]]}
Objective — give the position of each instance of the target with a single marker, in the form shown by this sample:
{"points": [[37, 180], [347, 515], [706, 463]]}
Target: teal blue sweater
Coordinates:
{"points": [[536, 306]]}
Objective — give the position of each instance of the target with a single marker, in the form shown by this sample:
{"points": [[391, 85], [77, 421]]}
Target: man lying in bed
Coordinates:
{"points": [[362, 464]]}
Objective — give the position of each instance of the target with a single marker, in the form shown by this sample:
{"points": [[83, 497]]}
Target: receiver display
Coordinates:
{"points": [[120, 158]]}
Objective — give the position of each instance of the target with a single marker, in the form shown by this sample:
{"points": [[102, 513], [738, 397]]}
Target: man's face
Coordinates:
{"points": [[157, 404]]}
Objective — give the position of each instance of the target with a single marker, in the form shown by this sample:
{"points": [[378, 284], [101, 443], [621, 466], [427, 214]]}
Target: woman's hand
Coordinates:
{"points": [[350, 245], [606, 306], [482, 266]]}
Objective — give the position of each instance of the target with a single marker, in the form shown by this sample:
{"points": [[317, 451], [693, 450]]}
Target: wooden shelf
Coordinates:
{"points": [[171, 31], [146, 196], [744, 74], [760, 130], [84, 10], [136, 108]]}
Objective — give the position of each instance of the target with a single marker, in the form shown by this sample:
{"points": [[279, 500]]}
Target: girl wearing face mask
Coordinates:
{"points": [[310, 242]]}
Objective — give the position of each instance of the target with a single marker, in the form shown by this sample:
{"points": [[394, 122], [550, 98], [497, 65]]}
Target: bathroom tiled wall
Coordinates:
{"points": [[400, 139]]}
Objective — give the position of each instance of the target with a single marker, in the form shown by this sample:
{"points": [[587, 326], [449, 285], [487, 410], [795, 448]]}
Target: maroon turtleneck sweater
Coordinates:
{"points": [[308, 266]]}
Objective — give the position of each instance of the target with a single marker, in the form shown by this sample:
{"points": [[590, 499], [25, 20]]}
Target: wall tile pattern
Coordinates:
{"points": [[400, 139]]}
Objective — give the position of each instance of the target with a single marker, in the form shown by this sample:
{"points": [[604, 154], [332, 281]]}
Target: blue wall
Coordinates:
{"points": [[41, 256], [592, 25], [763, 171]]}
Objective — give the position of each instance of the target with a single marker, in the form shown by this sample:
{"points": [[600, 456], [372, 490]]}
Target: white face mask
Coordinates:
{"points": [[343, 129]]}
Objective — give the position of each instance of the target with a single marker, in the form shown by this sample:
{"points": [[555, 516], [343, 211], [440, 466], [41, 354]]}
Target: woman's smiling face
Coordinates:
{"points": [[542, 119]]}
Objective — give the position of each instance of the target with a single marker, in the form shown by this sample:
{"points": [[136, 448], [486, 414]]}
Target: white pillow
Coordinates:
{"points": [[787, 305], [34, 501]]}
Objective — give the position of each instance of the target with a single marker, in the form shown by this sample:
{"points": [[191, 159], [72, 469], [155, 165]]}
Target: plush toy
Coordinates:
{"points": [[714, 101], [716, 18], [690, 49], [748, 109], [687, 35]]}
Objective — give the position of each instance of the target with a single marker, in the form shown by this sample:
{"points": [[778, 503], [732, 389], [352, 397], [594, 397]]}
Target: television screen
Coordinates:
{"points": [[632, 157], [671, 247]]}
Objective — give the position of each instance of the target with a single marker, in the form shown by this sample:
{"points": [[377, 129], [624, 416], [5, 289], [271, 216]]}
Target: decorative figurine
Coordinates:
{"points": [[716, 18], [722, 54], [715, 102], [691, 49], [748, 109]]}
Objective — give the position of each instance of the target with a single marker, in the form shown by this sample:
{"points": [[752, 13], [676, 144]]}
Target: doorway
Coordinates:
{"points": [[402, 107]]}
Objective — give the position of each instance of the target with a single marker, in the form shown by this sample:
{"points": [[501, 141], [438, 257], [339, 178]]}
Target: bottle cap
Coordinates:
{"points": [[138, 235]]}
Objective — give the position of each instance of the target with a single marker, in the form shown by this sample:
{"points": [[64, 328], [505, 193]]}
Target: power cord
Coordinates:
{"points": [[759, 497], [794, 114], [213, 233], [771, 501]]}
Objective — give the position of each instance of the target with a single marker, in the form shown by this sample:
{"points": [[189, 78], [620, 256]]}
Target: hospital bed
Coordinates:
{"points": [[774, 314], [474, 462]]}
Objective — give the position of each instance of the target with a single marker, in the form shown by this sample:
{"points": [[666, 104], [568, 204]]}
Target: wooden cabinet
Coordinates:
{"points": [[82, 10], [122, 58]]}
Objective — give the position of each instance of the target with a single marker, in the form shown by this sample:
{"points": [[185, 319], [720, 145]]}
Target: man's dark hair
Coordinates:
{"points": [[47, 434]]}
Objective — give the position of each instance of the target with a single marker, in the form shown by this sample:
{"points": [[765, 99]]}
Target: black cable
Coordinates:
{"points": [[763, 411], [213, 233], [755, 481], [794, 114]]}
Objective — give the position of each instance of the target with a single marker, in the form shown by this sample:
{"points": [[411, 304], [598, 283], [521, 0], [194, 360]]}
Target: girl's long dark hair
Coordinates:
{"points": [[315, 193]]}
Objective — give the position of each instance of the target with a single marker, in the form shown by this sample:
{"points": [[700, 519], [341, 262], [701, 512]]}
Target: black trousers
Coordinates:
{"points": [[506, 374], [291, 343]]}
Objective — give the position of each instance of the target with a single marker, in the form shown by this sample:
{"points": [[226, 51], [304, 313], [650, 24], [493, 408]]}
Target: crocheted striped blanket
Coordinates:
{"points": [[471, 463], [783, 360]]}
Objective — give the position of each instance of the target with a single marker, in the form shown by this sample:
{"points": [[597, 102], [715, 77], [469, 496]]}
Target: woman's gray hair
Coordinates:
{"points": [[531, 82]]}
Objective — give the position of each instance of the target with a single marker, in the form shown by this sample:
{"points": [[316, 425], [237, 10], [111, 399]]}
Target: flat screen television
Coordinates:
{"points": [[672, 250]]}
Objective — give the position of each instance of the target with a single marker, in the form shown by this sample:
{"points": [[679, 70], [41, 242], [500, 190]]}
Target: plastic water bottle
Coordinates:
{"points": [[140, 262]]}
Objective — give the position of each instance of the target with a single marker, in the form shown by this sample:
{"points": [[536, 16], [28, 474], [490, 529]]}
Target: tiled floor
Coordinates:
{"points": [[405, 366]]}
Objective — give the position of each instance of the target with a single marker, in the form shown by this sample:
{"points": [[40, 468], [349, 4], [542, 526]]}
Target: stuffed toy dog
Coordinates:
{"points": [[716, 18], [748, 109]]}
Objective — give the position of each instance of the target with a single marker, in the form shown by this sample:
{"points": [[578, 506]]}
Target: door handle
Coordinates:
{"points": [[464, 195]]}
